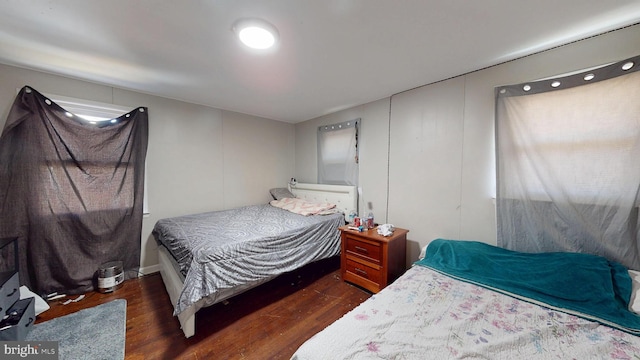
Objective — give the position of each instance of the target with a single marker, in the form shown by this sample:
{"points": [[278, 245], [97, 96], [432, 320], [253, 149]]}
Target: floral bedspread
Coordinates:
{"points": [[428, 315]]}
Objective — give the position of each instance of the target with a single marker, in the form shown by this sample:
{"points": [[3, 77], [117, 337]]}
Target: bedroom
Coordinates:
{"points": [[204, 158]]}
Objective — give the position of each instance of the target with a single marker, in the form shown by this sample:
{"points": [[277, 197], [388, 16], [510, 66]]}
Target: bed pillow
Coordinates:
{"points": [[634, 302], [281, 193]]}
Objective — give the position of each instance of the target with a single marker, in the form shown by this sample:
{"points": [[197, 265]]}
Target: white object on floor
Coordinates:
{"points": [[73, 300], [39, 304]]}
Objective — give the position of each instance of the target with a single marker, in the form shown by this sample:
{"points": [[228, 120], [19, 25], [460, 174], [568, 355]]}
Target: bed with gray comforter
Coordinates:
{"points": [[223, 253]]}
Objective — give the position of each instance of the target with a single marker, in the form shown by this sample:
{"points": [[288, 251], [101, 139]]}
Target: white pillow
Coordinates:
{"points": [[634, 302], [423, 252]]}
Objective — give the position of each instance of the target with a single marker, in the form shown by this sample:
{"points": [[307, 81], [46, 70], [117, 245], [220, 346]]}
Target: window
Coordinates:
{"points": [[567, 169], [338, 153], [579, 141], [96, 112]]}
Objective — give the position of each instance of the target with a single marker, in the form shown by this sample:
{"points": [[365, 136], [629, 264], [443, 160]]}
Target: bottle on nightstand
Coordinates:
{"points": [[370, 223], [352, 216]]}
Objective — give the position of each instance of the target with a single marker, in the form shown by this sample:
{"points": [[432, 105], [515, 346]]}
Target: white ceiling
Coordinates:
{"points": [[333, 54]]}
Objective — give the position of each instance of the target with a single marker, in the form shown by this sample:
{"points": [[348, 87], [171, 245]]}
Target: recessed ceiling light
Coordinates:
{"points": [[256, 33]]}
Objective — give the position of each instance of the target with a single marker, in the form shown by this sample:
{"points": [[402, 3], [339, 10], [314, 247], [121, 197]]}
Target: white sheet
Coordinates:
{"points": [[303, 207]]}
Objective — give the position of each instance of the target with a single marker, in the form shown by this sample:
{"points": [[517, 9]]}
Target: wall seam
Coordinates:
{"points": [[388, 158], [224, 165], [464, 108]]}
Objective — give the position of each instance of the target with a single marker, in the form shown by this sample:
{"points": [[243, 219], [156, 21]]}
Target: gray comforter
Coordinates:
{"points": [[223, 253]]}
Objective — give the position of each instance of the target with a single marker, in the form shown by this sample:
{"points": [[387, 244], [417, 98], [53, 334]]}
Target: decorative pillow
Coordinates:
{"points": [[281, 193]]}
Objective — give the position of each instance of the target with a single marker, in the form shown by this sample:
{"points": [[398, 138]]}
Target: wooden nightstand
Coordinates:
{"points": [[370, 260]]}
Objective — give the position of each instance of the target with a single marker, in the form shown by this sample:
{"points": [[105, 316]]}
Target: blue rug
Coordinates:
{"points": [[94, 333]]}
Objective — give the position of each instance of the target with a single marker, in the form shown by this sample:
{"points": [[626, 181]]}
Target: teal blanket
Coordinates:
{"points": [[585, 285]]}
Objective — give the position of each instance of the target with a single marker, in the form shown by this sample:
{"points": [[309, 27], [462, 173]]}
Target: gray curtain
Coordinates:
{"points": [[568, 163], [71, 191]]}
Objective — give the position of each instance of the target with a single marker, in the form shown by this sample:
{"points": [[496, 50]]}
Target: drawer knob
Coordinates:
{"points": [[29, 322], [360, 271], [361, 249], [13, 292]]}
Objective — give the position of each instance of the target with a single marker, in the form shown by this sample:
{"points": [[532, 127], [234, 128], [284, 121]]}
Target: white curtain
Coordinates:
{"points": [[338, 153], [568, 163]]}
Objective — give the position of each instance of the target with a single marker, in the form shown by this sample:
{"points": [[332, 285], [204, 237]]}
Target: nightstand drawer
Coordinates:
{"points": [[370, 260], [368, 251], [363, 271]]}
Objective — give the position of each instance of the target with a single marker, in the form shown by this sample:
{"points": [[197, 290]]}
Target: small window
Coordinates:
{"points": [[338, 153], [91, 111]]}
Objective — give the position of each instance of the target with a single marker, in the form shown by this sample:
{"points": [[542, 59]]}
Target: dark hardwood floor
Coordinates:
{"points": [[267, 322]]}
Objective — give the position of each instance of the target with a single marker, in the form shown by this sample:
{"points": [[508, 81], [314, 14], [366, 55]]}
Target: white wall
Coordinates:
{"points": [[198, 159], [425, 162], [440, 143]]}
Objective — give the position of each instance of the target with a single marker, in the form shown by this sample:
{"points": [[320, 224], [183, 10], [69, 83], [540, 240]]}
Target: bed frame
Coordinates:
{"points": [[345, 198]]}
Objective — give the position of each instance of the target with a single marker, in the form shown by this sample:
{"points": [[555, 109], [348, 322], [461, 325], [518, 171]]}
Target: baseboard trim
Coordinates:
{"points": [[149, 270]]}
